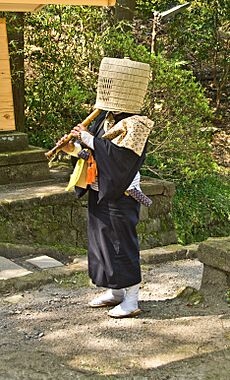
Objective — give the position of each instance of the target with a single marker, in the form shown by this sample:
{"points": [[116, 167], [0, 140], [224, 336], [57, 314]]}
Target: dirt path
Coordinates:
{"points": [[52, 334]]}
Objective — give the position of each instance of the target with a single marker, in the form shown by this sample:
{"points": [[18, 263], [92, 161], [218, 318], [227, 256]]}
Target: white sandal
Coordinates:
{"points": [[129, 306], [111, 297], [118, 312]]}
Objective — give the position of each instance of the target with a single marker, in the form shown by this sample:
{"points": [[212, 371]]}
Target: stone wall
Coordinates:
{"points": [[45, 214]]}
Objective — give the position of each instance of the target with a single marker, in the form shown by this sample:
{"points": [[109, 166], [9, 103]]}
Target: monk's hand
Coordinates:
{"points": [[76, 131], [67, 148]]}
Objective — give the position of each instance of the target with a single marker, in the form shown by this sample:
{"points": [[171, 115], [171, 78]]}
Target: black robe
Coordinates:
{"points": [[116, 166], [113, 248]]}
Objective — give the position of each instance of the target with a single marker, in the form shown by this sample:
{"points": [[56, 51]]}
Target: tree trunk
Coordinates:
{"points": [[16, 47], [125, 10]]}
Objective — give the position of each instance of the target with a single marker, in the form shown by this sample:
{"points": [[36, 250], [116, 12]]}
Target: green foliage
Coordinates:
{"points": [[146, 8], [62, 58], [179, 146], [202, 209], [200, 36]]}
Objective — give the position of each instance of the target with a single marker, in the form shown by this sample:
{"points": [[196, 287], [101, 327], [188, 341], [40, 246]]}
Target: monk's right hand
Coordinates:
{"points": [[67, 148]]}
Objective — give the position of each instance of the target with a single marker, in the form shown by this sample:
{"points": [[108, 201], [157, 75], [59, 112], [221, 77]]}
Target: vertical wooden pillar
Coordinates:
{"points": [[15, 29], [7, 121]]}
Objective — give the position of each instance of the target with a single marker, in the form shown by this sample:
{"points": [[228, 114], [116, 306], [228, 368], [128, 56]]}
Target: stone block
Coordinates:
{"points": [[168, 237], [79, 217], [213, 277], [163, 254], [8, 269], [62, 214], [13, 141], [153, 186], [152, 225], [147, 241], [161, 205], [44, 262], [215, 252], [214, 284]]}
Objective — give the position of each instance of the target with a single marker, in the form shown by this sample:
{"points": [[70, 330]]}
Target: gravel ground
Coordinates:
{"points": [[51, 333]]}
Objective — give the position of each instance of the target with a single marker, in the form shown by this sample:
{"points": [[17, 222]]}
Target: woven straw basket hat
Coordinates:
{"points": [[122, 85]]}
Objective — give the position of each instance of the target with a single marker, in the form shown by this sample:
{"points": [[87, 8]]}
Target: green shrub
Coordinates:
{"points": [[62, 57], [202, 209], [179, 145], [200, 36]]}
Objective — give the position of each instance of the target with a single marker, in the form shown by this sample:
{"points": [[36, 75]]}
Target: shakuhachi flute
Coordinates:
{"points": [[85, 122]]}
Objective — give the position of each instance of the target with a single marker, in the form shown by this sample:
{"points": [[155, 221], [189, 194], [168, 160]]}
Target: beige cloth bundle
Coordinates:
{"points": [[131, 133]]}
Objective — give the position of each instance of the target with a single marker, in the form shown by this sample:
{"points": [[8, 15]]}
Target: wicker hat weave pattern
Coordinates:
{"points": [[122, 85]]}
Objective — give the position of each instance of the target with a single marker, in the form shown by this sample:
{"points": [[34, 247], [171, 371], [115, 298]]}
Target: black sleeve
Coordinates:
{"points": [[116, 166]]}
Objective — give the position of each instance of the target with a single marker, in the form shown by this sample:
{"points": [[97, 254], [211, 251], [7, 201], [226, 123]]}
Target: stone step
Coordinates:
{"points": [[156, 255], [16, 251], [46, 214], [23, 166], [31, 272], [8, 269], [31, 154], [168, 253], [41, 277], [44, 262], [13, 141]]}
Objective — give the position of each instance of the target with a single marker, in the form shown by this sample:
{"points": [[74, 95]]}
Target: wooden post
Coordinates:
{"points": [[7, 121], [16, 34]]}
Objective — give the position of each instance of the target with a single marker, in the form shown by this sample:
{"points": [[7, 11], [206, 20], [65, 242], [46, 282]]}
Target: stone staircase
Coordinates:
{"points": [[19, 162]]}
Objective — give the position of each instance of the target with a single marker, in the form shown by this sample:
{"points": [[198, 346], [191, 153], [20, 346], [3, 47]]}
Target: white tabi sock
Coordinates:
{"points": [[109, 298], [129, 306]]}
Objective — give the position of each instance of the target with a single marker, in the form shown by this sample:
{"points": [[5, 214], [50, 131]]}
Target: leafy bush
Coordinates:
{"points": [[200, 36], [62, 57], [179, 146], [202, 209]]}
